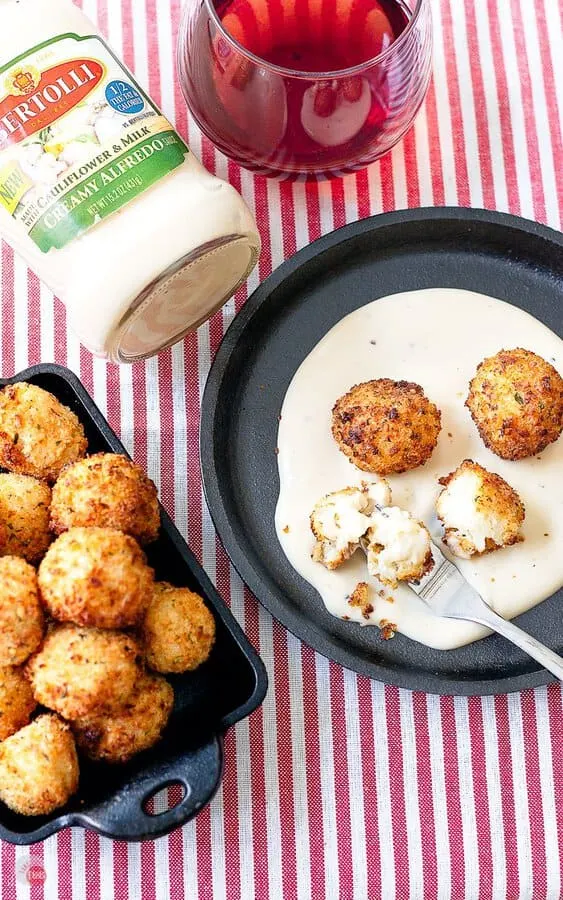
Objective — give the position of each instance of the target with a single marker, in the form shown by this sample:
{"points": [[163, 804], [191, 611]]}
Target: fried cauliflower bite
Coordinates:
{"points": [[138, 726], [38, 435], [39, 767], [16, 701], [398, 548], [24, 515], [178, 631], [479, 510], [22, 623], [340, 520], [81, 672], [96, 577], [109, 491], [386, 426], [516, 402]]}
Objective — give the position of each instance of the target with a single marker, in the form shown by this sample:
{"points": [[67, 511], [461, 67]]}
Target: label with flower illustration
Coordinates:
{"points": [[78, 139]]}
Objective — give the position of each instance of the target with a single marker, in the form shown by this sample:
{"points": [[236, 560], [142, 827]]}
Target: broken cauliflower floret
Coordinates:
{"points": [[340, 520], [398, 547], [479, 510]]}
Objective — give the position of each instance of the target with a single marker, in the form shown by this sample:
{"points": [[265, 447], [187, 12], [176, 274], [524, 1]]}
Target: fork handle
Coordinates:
{"points": [[534, 648]]}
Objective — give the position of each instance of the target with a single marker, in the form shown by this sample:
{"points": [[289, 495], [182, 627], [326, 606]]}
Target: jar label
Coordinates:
{"points": [[79, 139]]}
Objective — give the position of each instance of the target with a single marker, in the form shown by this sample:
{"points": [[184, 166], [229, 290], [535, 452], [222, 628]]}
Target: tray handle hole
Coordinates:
{"points": [[164, 798]]}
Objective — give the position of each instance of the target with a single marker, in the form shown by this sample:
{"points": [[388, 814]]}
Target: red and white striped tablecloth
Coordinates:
{"points": [[338, 787]]}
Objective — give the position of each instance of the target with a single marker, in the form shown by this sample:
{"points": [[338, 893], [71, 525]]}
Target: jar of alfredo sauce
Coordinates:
{"points": [[102, 197]]}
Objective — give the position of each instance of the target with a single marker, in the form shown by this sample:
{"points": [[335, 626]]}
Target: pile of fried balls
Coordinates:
{"points": [[86, 634]]}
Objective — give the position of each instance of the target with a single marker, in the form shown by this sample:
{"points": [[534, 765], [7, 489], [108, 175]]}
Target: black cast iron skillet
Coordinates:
{"points": [[496, 254], [112, 800]]}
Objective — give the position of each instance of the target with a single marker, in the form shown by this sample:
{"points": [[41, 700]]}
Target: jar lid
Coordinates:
{"points": [[183, 297]]}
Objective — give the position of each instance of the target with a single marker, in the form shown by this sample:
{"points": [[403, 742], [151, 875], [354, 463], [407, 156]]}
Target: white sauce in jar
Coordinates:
{"points": [[100, 195], [435, 338]]}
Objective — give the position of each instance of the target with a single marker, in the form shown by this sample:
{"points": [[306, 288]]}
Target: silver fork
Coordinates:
{"points": [[448, 594]]}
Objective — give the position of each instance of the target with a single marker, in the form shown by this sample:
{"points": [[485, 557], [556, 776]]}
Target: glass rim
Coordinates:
{"points": [[318, 76]]}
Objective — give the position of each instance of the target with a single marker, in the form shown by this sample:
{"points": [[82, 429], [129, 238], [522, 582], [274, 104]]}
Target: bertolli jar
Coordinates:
{"points": [[102, 197]]}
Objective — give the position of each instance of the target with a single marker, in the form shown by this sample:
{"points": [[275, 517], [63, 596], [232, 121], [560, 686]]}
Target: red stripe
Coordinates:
{"points": [[481, 797], [8, 354], [368, 743], [314, 773], [341, 781], [461, 172], [284, 748], [480, 106], [397, 791], [533, 783], [438, 190], [409, 149], [555, 704], [529, 114], [387, 184], [514, 200], [507, 797], [92, 865], [231, 820], [453, 797], [550, 95], [425, 799]]}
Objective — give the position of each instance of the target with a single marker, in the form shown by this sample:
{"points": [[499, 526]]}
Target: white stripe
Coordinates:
{"points": [[410, 787], [47, 303], [355, 784], [424, 166], [554, 32], [51, 865], [217, 828], [384, 818], [443, 106], [106, 869], [439, 798], [492, 104], [547, 792], [328, 793], [542, 129], [78, 863], [467, 103], [301, 222], [134, 873], [519, 132], [521, 810], [271, 768], [22, 867], [20, 314], [494, 793], [161, 853], [189, 838], [399, 176], [467, 800], [299, 766]]}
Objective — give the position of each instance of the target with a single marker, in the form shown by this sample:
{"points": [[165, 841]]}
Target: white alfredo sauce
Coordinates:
{"points": [[435, 338], [101, 196]]}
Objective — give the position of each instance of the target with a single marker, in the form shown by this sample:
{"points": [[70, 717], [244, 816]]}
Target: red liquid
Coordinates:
{"points": [[273, 120]]}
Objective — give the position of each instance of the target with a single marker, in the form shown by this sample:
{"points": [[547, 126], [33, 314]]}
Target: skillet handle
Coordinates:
{"points": [[123, 816]]}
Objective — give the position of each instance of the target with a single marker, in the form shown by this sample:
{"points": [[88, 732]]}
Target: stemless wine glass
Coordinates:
{"points": [[313, 87]]}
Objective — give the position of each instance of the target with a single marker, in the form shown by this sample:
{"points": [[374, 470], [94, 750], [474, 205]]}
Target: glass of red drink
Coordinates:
{"points": [[305, 87]]}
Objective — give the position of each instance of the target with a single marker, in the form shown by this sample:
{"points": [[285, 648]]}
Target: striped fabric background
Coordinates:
{"points": [[338, 787]]}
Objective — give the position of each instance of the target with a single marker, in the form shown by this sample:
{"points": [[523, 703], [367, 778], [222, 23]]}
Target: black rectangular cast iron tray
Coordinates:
{"points": [[228, 687]]}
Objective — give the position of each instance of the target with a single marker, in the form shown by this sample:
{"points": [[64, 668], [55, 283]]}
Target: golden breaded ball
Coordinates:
{"points": [[24, 511], [38, 435], [39, 767], [178, 630], [479, 510], [96, 577], [16, 701], [386, 426], [138, 726], [22, 623], [84, 671], [516, 401], [109, 491]]}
